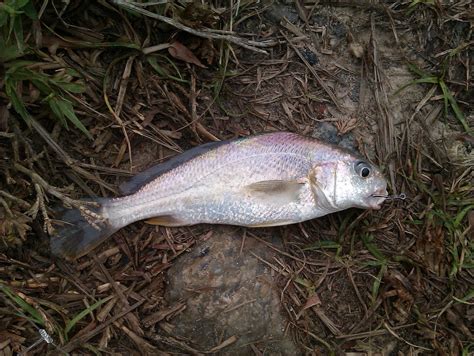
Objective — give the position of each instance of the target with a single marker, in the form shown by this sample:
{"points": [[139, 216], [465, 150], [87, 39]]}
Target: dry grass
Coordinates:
{"points": [[96, 94]]}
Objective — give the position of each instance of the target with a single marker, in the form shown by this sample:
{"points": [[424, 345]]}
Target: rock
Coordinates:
{"points": [[327, 132], [228, 293], [279, 11], [356, 49]]}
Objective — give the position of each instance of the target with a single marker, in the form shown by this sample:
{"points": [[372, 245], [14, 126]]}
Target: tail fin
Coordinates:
{"points": [[77, 235]]}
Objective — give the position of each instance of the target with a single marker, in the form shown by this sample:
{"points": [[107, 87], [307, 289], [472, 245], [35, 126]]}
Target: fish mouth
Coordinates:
{"points": [[376, 199]]}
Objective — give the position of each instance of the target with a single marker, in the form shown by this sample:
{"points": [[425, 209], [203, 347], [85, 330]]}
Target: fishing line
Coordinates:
{"points": [[44, 336]]}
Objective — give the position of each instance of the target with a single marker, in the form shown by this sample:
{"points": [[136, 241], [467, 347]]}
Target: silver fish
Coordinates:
{"points": [[265, 180]]}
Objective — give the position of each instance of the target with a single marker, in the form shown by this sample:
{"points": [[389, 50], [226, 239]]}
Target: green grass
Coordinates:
{"points": [[450, 214], [19, 58], [380, 261], [163, 71], [12, 13], [449, 100], [323, 244], [28, 311], [54, 90], [79, 316], [416, 3]]}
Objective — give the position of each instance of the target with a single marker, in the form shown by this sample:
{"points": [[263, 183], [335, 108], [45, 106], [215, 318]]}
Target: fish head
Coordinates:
{"points": [[350, 182]]}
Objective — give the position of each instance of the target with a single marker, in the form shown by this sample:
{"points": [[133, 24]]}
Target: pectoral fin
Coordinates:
{"points": [[277, 191], [166, 220]]}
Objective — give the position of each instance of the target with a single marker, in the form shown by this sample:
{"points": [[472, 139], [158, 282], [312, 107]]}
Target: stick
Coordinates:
{"points": [[205, 33]]}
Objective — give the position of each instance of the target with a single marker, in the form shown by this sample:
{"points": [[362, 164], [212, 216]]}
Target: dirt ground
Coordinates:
{"points": [[397, 281]]}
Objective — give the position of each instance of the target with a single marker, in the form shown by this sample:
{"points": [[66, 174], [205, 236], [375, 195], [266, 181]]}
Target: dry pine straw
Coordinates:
{"points": [[353, 281]]}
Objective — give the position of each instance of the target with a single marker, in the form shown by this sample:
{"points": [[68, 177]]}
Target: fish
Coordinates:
{"points": [[270, 179]]}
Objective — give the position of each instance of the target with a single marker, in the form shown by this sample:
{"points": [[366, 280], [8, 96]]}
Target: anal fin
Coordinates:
{"points": [[166, 220], [273, 223]]}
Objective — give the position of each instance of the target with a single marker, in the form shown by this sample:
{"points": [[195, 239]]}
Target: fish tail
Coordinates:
{"points": [[79, 233]]}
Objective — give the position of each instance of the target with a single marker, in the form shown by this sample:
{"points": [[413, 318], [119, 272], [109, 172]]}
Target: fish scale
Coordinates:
{"points": [[265, 180], [241, 167], [251, 167]]}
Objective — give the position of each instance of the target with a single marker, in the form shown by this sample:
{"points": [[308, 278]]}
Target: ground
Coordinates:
{"points": [[394, 281]]}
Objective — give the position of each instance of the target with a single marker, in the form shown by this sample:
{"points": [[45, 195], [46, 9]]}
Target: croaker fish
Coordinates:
{"points": [[266, 180]]}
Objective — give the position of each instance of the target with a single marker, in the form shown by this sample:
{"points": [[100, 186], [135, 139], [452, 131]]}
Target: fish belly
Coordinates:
{"points": [[212, 187], [225, 207]]}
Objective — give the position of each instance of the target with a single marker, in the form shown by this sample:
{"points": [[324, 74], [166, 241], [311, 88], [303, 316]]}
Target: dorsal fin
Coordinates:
{"points": [[138, 181]]}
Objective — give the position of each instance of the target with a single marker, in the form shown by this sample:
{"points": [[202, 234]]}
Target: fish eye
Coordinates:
{"points": [[363, 169]]}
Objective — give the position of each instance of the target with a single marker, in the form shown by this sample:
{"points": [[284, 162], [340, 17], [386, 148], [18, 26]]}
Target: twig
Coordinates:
{"points": [[42, 207], [71, 163], [36, 178], [7, 134], [22, 202], [224, 344], [82, 339], [132, 318], [114, 113], [326, 321], [387, 143], [317, 338], [194, 117], [151, 320], [206, 33], [41, 185], [391, 331], [6, 207], [43, 333], [123, 85], [155, 48], [319, 264], [313, 71], [351, 278], [174, 343], [372, 333]]}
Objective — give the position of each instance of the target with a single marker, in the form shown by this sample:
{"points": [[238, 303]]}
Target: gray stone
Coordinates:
{"points": [[228, 292], [327, 132], [279, 11]]}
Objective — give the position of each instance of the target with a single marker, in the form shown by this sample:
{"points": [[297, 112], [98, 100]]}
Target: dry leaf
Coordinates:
{"points": [[458, 322], [312, 301], [224, 344], [181, 52], [302, 12], [204, 48], [4, 115], [178, 104], [144, 346], [287, 109], [345, 126], [470, 218], [356, 49], [15, 226]]}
